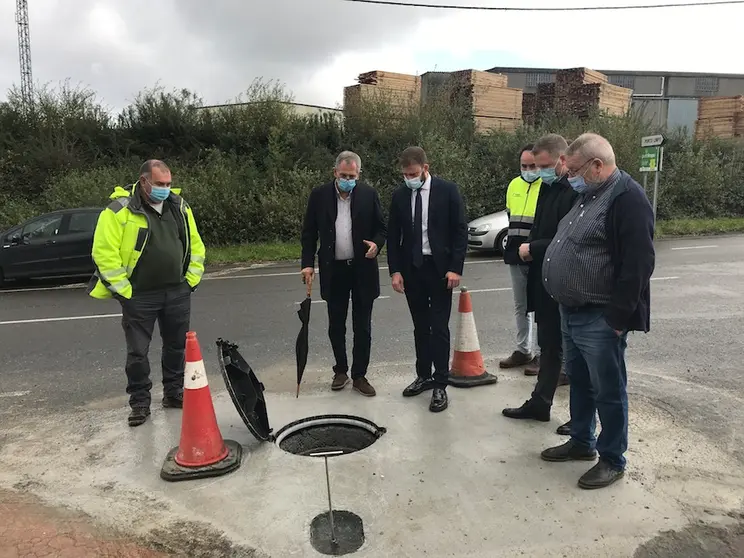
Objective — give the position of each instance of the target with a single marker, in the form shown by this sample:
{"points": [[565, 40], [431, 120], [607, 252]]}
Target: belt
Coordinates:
{"points": [[344, 262]]}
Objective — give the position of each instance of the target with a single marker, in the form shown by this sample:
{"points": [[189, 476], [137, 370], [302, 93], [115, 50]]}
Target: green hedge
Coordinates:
{"points": [[247, 169]]}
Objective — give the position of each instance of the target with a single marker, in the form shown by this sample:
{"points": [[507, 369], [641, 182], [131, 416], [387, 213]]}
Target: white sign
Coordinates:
{"points": [[652, 141]]}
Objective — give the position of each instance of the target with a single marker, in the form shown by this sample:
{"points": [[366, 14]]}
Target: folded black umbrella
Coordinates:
{"points": [[301, 345]]}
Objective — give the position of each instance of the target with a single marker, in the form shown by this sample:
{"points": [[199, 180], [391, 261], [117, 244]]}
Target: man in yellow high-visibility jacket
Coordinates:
{"points": [[149, 256]]}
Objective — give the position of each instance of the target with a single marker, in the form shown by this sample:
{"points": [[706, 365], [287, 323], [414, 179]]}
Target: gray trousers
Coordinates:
{"points": [[171, 308], [526, 336]]}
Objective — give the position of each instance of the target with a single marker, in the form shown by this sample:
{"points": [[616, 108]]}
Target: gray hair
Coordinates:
{"points": [[147, 166], [349, 157], [553, 144], [593, 146]]}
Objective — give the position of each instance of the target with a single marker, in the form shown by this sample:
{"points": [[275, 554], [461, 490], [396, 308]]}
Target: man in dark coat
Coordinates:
{"points": [[346, 215], [556, 199], [426, 254], [598, 268]]}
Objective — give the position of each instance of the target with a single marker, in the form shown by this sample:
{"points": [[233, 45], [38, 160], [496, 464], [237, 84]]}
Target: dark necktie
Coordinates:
{"points": [[418, 237]]}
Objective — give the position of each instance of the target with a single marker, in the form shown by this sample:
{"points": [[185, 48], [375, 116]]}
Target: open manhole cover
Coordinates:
{"points": [[335, 532]]}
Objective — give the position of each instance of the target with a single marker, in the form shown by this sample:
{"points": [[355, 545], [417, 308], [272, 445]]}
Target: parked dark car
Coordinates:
{"points": [[56, 244]]}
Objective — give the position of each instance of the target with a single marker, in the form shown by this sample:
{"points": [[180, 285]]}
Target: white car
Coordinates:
{"points": [[489, 233]]}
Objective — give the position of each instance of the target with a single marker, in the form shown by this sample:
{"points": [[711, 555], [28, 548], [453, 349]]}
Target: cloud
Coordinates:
{"points": [[316, 47]]}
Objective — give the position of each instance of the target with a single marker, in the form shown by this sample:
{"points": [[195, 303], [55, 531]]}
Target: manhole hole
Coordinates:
{"points": [[328, 435], [333, 533]]}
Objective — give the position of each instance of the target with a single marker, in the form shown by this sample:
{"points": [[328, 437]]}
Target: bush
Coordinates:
{"points": [[247, 168]]}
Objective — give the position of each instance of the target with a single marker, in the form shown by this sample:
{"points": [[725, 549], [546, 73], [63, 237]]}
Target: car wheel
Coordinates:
{"points": [[500, 244]]}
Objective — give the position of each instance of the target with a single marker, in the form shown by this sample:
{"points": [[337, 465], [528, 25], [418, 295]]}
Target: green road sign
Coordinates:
{"points": [[649, 159]]}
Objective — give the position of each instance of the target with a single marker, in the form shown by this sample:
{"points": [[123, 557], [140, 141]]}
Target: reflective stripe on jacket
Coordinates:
{"points": [[521, 203], [121, 236]]}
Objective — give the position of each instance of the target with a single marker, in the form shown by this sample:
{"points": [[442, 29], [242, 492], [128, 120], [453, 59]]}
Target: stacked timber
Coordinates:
{"points": [[580, 92], [720, 117], [529, 107], [485, 95], [400, 91]]}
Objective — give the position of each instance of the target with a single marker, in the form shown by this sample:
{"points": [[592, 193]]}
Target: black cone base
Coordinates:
{"points": [[173, 472], [349, 533], [472, 381]]}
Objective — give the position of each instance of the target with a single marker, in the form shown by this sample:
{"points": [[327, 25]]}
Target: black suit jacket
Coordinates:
{"points": [[448, 229], [368, 223]]}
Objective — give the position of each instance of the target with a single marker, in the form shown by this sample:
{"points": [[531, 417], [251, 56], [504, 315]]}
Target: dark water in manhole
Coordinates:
{"points": [[347, 527], [323, 438]]}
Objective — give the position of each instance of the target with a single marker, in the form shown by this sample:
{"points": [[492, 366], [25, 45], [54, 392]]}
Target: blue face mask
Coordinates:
{"points": [[414, 183], [530, 175], [159, 193], [346, 185], [548, 175], [578, 184]]}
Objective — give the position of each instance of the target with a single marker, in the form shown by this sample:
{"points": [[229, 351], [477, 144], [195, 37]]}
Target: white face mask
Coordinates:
{"points": [[414, 183]]}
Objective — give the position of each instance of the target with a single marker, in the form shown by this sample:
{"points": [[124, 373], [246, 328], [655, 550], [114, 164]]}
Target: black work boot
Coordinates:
{"points": [[569, 452], [529, 411], [516, 359], [600, 476], [138, 416], [174, 401]]}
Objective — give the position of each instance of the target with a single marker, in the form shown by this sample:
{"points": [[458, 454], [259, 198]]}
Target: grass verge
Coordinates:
{"points": [[289, 251], [699, 227]]}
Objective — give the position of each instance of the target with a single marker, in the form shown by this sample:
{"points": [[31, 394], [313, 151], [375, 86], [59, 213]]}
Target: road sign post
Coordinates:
{"points": [[652, 158]]}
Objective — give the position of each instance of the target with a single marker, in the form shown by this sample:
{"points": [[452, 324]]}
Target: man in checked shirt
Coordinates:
{"points": [[598, 268]]}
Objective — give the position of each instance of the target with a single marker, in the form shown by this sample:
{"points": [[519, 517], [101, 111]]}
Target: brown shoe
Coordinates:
{"points": [[533, 368], [516, 359], [340, 381], [362, 386]]}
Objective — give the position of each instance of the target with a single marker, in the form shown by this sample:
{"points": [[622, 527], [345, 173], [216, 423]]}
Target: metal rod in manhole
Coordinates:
{"points": [[325, 455]]}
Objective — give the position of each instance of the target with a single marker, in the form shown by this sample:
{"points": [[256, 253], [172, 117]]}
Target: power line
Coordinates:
{"points": [[550, 9]]}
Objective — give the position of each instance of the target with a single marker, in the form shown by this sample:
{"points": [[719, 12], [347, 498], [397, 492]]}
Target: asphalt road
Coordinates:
{"points": [[62, 350]]}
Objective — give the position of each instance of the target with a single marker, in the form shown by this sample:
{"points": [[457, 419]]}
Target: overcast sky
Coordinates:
{"points": [[316, 47]]}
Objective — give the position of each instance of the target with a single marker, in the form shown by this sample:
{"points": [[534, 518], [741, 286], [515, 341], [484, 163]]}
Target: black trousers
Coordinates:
{"points": [[549, 337], [430, 303], [171, 308], [342, 286]]}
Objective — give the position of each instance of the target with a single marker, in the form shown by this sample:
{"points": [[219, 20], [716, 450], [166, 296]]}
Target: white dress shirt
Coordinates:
{"points": [[425, 191], [344, 242]]}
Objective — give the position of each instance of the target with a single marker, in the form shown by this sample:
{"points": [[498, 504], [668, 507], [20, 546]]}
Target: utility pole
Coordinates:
{"points": [[24, 55]]}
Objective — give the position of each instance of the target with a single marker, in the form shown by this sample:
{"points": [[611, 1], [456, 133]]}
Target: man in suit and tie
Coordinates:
{"points": [[346, 216], [428, 239]]}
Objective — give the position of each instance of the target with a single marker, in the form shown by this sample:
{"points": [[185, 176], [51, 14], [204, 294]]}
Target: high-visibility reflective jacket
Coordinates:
{"points": [[521, 203], [121, 237]]}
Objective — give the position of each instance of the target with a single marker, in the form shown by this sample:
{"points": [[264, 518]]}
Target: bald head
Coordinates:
{"points": [[148, 166], [591, 156]]}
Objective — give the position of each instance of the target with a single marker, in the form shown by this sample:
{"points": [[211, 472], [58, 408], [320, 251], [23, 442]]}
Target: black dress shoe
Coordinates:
{"points": [[568, 452], [419, 386], [439, 401], [564, 429], [600, 476], [138, 416], [529, 411]]}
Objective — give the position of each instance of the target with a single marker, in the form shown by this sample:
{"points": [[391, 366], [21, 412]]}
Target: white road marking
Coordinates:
{"points": [[62, 319], [14, 394], [323, 301], [489, 290], [220, 275], [695, 247], [664, 278]]}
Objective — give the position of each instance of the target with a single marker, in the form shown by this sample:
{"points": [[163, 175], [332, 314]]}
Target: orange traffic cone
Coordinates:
{"points": [[202, 452], [468, 369]]}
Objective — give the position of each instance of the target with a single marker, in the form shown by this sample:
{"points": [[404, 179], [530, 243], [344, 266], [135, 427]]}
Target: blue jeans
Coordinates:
{"points": [[595, 364]]}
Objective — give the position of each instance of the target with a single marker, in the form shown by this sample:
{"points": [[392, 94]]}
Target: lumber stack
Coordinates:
{"points": [[720, 117], [580, 92], [529, 107], [400, 91], [493, 105]]}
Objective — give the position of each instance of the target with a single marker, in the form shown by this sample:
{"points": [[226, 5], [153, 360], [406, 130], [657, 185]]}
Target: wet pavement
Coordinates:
{"points": [[464, 483]]}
